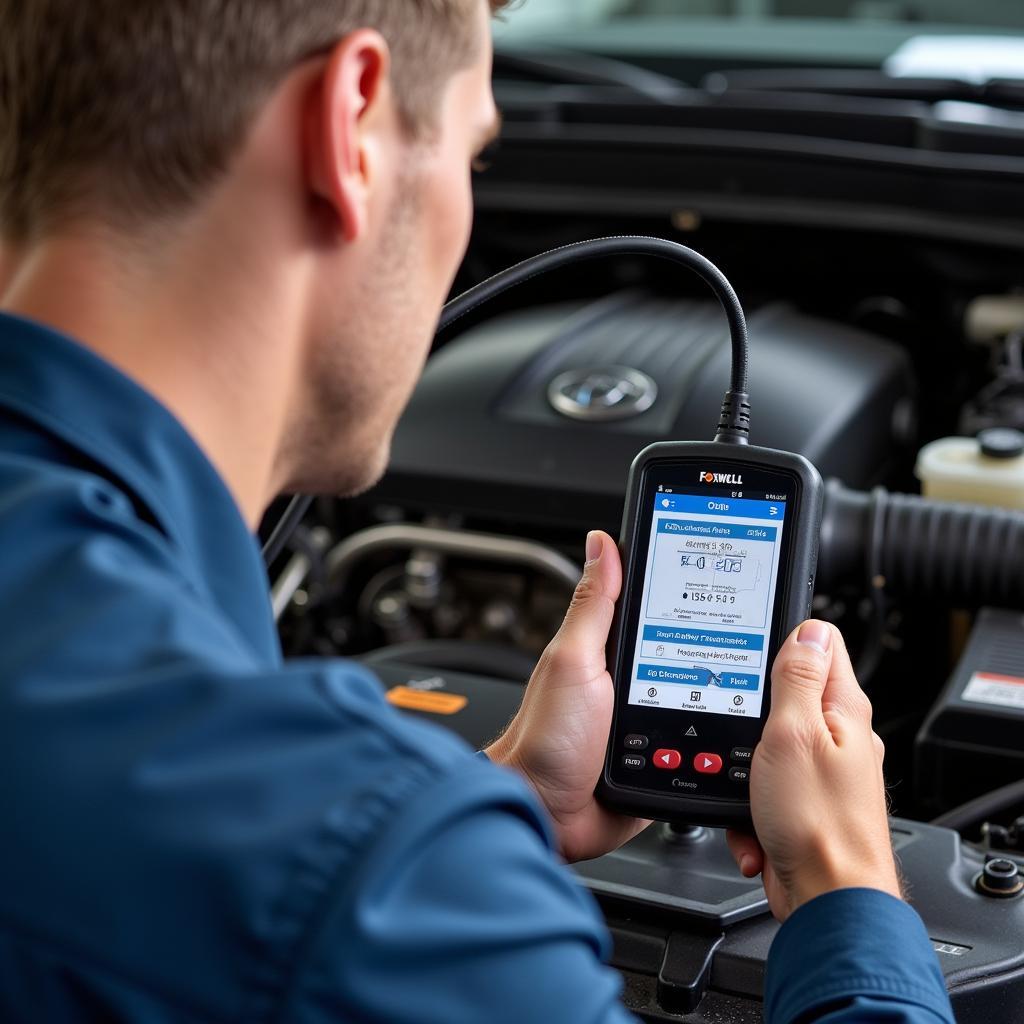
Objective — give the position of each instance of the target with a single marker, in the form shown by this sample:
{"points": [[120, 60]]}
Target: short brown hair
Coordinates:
{"points": [[132, 107]]}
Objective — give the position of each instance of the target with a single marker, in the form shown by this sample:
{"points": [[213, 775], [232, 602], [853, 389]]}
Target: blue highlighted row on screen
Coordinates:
{"points": [[697, 677], [704, 638], [715, 531], [741, 508]]}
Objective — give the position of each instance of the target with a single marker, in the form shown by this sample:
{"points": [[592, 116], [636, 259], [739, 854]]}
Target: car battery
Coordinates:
{"points": [[973, 738]]}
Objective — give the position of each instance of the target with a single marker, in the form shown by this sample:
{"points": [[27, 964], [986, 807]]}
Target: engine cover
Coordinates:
{"points": [[536, 416]]}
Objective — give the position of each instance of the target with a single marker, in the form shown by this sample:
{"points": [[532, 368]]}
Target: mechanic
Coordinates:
{"points": [[228, 228]]}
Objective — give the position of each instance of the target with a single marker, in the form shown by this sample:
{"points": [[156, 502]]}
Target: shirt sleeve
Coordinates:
{"points": [[230, 838], [855, 956], [457, 913]]}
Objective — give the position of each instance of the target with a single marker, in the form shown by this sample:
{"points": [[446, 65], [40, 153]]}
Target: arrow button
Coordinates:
{"points": [[707, 764], [667, 760]]}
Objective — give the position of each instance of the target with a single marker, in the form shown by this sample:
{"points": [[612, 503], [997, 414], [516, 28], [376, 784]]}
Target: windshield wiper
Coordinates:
{"points": [[574, 68], [864, 83]]}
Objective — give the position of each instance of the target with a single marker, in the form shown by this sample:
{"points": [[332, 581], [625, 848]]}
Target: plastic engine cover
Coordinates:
{"points": [[483, 437]]}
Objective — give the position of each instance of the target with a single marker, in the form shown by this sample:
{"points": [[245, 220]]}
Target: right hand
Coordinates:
{"points": [[816, 789]]}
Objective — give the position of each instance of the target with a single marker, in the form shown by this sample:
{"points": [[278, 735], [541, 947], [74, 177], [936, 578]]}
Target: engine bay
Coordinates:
{"points": [[869, 341]]}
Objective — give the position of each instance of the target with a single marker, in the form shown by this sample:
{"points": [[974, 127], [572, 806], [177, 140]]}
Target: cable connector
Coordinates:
{"points": [[734, 423]]}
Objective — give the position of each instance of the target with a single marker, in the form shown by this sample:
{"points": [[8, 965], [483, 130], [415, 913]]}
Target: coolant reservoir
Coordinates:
{"points": [[987, 470]]}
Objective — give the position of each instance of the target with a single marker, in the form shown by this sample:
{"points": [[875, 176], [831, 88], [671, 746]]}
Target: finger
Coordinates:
{"points": [[584, 632], [801, 670], [746, 851], [842, 691]]}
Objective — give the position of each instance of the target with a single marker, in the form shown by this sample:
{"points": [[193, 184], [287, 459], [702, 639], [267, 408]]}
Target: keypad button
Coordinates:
{"points": [[633, 761], [635, 741], [741, 775], [667, 760], [741, 755], [707, 764]]}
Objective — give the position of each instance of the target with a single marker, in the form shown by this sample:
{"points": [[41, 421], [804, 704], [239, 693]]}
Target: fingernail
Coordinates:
{"points": [[747, 865], [815, 634], [594, 546]]}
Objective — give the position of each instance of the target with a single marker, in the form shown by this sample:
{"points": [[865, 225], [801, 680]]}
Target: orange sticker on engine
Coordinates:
{"points": [[431, 702]]}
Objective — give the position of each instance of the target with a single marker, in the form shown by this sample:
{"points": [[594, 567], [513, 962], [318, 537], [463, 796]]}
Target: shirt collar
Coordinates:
{"points": [[80, 398]]}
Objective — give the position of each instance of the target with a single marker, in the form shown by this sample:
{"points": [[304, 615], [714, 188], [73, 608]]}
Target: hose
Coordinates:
{"points": [[982, 808], [962, 555]]}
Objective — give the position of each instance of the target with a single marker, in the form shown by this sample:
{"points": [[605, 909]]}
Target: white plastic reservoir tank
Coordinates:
{"points": [[986, 470]]}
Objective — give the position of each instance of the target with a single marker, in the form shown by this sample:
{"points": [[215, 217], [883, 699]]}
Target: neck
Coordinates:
{"points": [[213, 346]]}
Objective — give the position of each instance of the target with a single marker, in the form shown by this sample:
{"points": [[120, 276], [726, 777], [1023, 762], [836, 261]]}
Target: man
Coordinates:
{"points": [[228, 228]]}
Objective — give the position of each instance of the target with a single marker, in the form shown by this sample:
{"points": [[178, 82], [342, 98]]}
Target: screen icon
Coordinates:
{"points": [[691, 731], [652, 692], [695, 696]]}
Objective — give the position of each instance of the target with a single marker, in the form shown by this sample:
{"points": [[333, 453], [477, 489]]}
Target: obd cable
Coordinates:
{"points": [[734, 422]]}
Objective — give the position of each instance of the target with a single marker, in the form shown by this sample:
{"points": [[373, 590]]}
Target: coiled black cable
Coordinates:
{"points": [[734, 421], [286, 526], [623, 245]]}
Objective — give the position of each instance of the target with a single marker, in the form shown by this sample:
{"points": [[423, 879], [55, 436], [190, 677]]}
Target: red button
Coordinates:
{"points": [[667, 760], [707, 764]]}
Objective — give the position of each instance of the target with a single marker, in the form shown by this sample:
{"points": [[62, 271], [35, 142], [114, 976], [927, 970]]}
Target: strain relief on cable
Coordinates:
{"points": [[734, 423]]}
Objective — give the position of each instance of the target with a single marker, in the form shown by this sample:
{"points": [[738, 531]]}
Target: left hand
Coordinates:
{"points": [[559, 736], [817, 792]]}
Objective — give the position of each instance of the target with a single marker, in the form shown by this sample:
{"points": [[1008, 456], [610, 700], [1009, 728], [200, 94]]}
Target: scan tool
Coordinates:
{"points": [[719, 544]]}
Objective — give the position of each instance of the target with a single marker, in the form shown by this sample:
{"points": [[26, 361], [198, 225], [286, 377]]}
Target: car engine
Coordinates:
{"points": [[871, 337]]}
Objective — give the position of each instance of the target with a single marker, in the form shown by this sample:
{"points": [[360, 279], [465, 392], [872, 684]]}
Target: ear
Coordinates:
{"points": [[346, 114]]}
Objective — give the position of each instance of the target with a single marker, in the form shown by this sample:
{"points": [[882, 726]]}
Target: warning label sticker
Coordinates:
{"points": [[988, 688], [431, 703]]}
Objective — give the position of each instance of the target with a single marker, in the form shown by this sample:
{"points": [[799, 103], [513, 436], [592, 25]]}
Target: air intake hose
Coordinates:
{"points": [[962, 555]]}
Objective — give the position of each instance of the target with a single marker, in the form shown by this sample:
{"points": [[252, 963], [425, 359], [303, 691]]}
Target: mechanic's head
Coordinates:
{"points": [[306, 161]]}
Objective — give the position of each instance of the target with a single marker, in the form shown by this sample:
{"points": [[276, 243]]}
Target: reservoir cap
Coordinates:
{"points": [[1000, 878], [1001, 443]]}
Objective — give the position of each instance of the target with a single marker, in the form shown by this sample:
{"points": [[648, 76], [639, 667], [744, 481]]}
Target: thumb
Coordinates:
{"points": [[843, 693], [584, 632], [801, 670]]}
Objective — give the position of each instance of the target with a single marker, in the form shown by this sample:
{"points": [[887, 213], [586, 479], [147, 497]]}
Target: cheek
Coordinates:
{"points": [[452, 220]]}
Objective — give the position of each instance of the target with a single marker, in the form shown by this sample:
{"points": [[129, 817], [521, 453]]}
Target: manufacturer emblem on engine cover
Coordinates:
{"points": [[602, 393]]}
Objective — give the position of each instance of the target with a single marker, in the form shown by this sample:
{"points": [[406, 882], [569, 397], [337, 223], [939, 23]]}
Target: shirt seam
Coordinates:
{"points": [[273, 994], [73, 431], [854, 985], [50, 420], [128, 485], [303, 913]]}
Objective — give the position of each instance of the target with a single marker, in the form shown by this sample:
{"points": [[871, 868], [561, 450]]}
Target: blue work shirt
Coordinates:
{"points": [[197, 831]]}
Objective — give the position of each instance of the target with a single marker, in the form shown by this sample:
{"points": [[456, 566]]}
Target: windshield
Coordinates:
{"points": [[805, 32]]}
